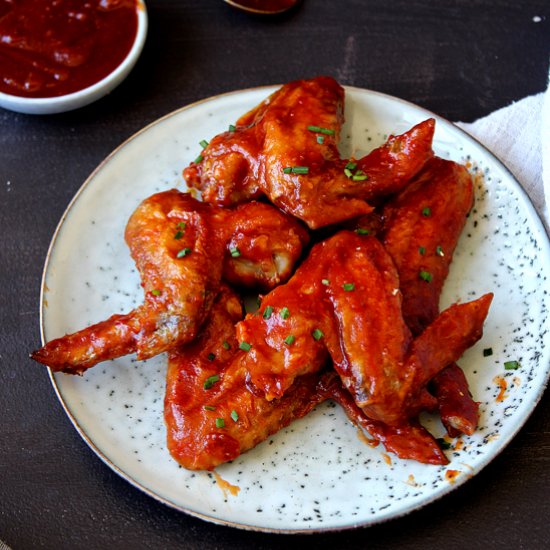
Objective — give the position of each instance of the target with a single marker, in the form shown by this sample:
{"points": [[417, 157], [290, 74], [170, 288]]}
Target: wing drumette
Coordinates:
{"points": [[181, 247], [275, 150]]}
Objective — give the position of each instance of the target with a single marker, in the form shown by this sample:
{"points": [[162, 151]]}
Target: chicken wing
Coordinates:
{"points": [[421, 229], [181, 247], [211, 416], [287, 149]]}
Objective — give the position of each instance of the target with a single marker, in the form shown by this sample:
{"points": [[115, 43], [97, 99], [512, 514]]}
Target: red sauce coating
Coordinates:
{"points": [[54, 47]]}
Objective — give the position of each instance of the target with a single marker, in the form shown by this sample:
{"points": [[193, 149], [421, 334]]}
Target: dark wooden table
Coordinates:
{"points": [[459, 58]]}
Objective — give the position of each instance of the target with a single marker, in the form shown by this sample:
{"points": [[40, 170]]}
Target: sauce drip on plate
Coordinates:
{"points": [[55, 47]]}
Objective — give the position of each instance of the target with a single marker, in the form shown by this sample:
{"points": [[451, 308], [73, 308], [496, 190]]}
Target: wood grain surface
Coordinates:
{"points": [[459, 58]]}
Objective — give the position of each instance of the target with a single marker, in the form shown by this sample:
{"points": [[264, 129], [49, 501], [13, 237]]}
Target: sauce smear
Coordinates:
{"points": [[50, 48]]}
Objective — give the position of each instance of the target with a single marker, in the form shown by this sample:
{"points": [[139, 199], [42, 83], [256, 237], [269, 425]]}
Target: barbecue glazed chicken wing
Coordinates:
{"points": [[422, 225], [286, 149], [181, 248]]}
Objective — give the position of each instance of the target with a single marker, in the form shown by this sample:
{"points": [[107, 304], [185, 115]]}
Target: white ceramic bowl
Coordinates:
{"points": [[75, 100]]}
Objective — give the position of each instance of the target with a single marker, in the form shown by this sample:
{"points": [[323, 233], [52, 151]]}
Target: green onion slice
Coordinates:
{"points": [[267, 312], [234, 415], [245, 346], [210, 381], [317, 334], [220, 423], [511, 365], [183, 252], [285, 313], [289, 340], [321, 130], [425, 276], [348, 287]]}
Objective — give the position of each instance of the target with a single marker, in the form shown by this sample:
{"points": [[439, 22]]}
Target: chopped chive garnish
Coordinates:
{"points": [[178, 235], [203, 143], [321, 130], [210, 381], [426, 211], [445, 445], [181, 225], [209, 408], [234, 415], [226, 345], [511, 365], [289, 340], [220, 423], [232, 128], [267, 312], [362, 231], [245, 346], [360, 177], [348, 172], [348, 287], [439, 251], [326, 282], [351, 165], [487, 352], [317, 334], [235, 252], [155, 292], [183, 252], [320, 140], [425, 276], [296, 170], [211, 357], [285, 313], [200, 158], [421, 250]]}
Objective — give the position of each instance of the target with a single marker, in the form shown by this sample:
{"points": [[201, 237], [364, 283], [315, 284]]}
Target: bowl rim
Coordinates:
{"points": [[96, 90]]}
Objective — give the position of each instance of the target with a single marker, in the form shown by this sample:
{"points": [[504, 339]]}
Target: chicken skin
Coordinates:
{"points": [[422, 226], [286, 149], [212, 417], [182, 247]]}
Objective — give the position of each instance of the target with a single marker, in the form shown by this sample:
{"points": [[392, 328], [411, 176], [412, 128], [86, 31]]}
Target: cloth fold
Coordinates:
{"points": [[519, 135]]}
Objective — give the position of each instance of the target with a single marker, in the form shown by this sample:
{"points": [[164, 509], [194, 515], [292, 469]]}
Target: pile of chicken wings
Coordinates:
{"points": [[350, 256]]}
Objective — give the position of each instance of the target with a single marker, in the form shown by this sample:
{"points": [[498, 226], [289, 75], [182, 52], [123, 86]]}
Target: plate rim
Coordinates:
{"points": [[545, 232]]}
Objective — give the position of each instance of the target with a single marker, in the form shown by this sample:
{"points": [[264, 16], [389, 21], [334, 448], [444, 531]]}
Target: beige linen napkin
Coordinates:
{"points": [[519, 135]]}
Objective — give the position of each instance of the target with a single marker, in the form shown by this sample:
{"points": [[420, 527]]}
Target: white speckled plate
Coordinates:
{"points": [[317, 474]]}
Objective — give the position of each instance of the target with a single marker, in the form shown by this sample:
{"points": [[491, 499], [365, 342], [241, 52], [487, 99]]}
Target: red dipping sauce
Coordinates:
{"points": [[51, 48]]}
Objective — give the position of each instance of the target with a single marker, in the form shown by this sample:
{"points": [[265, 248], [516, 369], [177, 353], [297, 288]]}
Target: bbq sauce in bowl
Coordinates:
{"points": [[59, 48]]}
